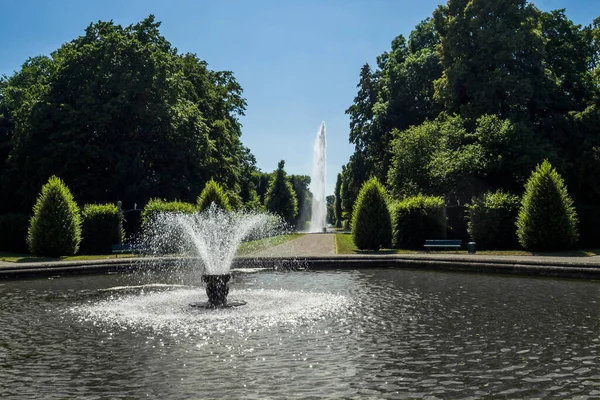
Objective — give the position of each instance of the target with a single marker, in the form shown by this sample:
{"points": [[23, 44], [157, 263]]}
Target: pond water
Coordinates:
{"points": [[376, 333]]}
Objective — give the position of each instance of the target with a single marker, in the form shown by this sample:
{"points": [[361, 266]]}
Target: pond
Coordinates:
{"points": [[374, 333]]}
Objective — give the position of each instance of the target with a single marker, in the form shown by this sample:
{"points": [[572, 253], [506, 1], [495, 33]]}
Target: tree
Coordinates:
{"points": [[55, 227], [300, 183], [491, 52], [338, 202], [547, 220], [280, 197], [330, 209], [371, 221], [119, 114], [213, 193]]}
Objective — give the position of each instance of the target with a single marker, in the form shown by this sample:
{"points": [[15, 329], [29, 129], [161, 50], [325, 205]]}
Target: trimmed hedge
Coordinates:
{"points": [[13, 232], [491, 220], [102, 226], [416, 219], [156, 206], [547, 219], [55, 228], [371, 223], [215, 193], [159, 233]]}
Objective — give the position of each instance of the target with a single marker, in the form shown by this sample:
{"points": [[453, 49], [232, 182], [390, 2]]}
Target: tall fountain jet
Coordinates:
{"points": [[318, 220]]}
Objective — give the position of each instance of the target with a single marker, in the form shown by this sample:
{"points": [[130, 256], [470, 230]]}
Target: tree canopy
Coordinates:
{"points": [[120, 114], [481, 93]]}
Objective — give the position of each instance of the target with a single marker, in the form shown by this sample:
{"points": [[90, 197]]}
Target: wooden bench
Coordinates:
{"points": [[442, 244], [126, 248]]}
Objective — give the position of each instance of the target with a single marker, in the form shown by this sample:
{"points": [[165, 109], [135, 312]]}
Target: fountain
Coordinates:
{"points": [[318, 221], [212, 237]]}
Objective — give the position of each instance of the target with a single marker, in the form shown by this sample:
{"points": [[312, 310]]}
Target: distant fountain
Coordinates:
{"points": [[213, 236], [318, 220]]}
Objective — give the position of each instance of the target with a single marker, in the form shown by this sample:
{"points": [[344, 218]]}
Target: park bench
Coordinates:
{"points": [[126, 248], [442, 244]]}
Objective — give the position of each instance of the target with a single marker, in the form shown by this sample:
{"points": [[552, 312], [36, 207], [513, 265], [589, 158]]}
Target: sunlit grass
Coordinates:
{"points": [[23, 258], [244, 249], [345, 245], [247, 248]]}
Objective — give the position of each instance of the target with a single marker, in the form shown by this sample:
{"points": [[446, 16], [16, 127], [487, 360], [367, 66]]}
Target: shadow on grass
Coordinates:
{"points": [[569, 253]]}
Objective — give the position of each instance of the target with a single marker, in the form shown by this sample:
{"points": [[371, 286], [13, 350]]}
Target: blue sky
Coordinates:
{"points": [[297, 60]]}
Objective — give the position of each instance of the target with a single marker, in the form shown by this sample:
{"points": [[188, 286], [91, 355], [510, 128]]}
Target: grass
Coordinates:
{"points": [[345, 245], [25, 258], [244, 249], [247, 248]]}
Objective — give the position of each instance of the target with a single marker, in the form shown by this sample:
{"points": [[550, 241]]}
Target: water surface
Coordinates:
{"points": [[338, 334]]}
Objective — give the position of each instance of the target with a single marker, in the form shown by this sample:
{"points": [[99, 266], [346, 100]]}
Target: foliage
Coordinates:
{"points": [[491, 220], [155, 206], [416, 219], [55, 227], [300, 183], [547, 219], [101, 226], [371, 223], [480, 94], [123, 116], [213, 192], [13, 232], [330, 209], [280, 197], [337, 204]]}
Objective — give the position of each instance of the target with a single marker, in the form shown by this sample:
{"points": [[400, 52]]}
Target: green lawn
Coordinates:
{"points": [[345, 245], [244, 249], [23, 258], [247, 248]]}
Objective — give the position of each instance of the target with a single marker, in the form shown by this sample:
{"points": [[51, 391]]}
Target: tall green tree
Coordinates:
{"points": [[122, 116], [280, 197], [338, 202], [300, 183], [492, 55]]}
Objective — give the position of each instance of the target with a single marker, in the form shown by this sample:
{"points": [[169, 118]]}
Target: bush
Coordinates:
{"points": [[346, 225], [156, 206], [547, 219], [213, 193], [491, 220], [159, 232], [55, 227], [371, 223], [416, 219], [13, 232], [281, 197], [101, 226]]}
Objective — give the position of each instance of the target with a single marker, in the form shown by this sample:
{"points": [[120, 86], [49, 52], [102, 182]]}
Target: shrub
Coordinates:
{"points": [[55, 227], [491, 220], [156, 206], [281, 198], [371, 223], [13, 232], [101, 226], [158, 231], [345, 225], [213, 192], [547, 219], [416, 219]]}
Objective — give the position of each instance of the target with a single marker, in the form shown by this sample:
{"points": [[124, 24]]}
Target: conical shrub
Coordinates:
{"points": [[213, 193], [547, 219], [371, 221], [55, 227]]}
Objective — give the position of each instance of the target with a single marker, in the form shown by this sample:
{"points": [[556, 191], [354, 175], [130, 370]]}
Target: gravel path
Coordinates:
{"points": [[312, 244]]}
